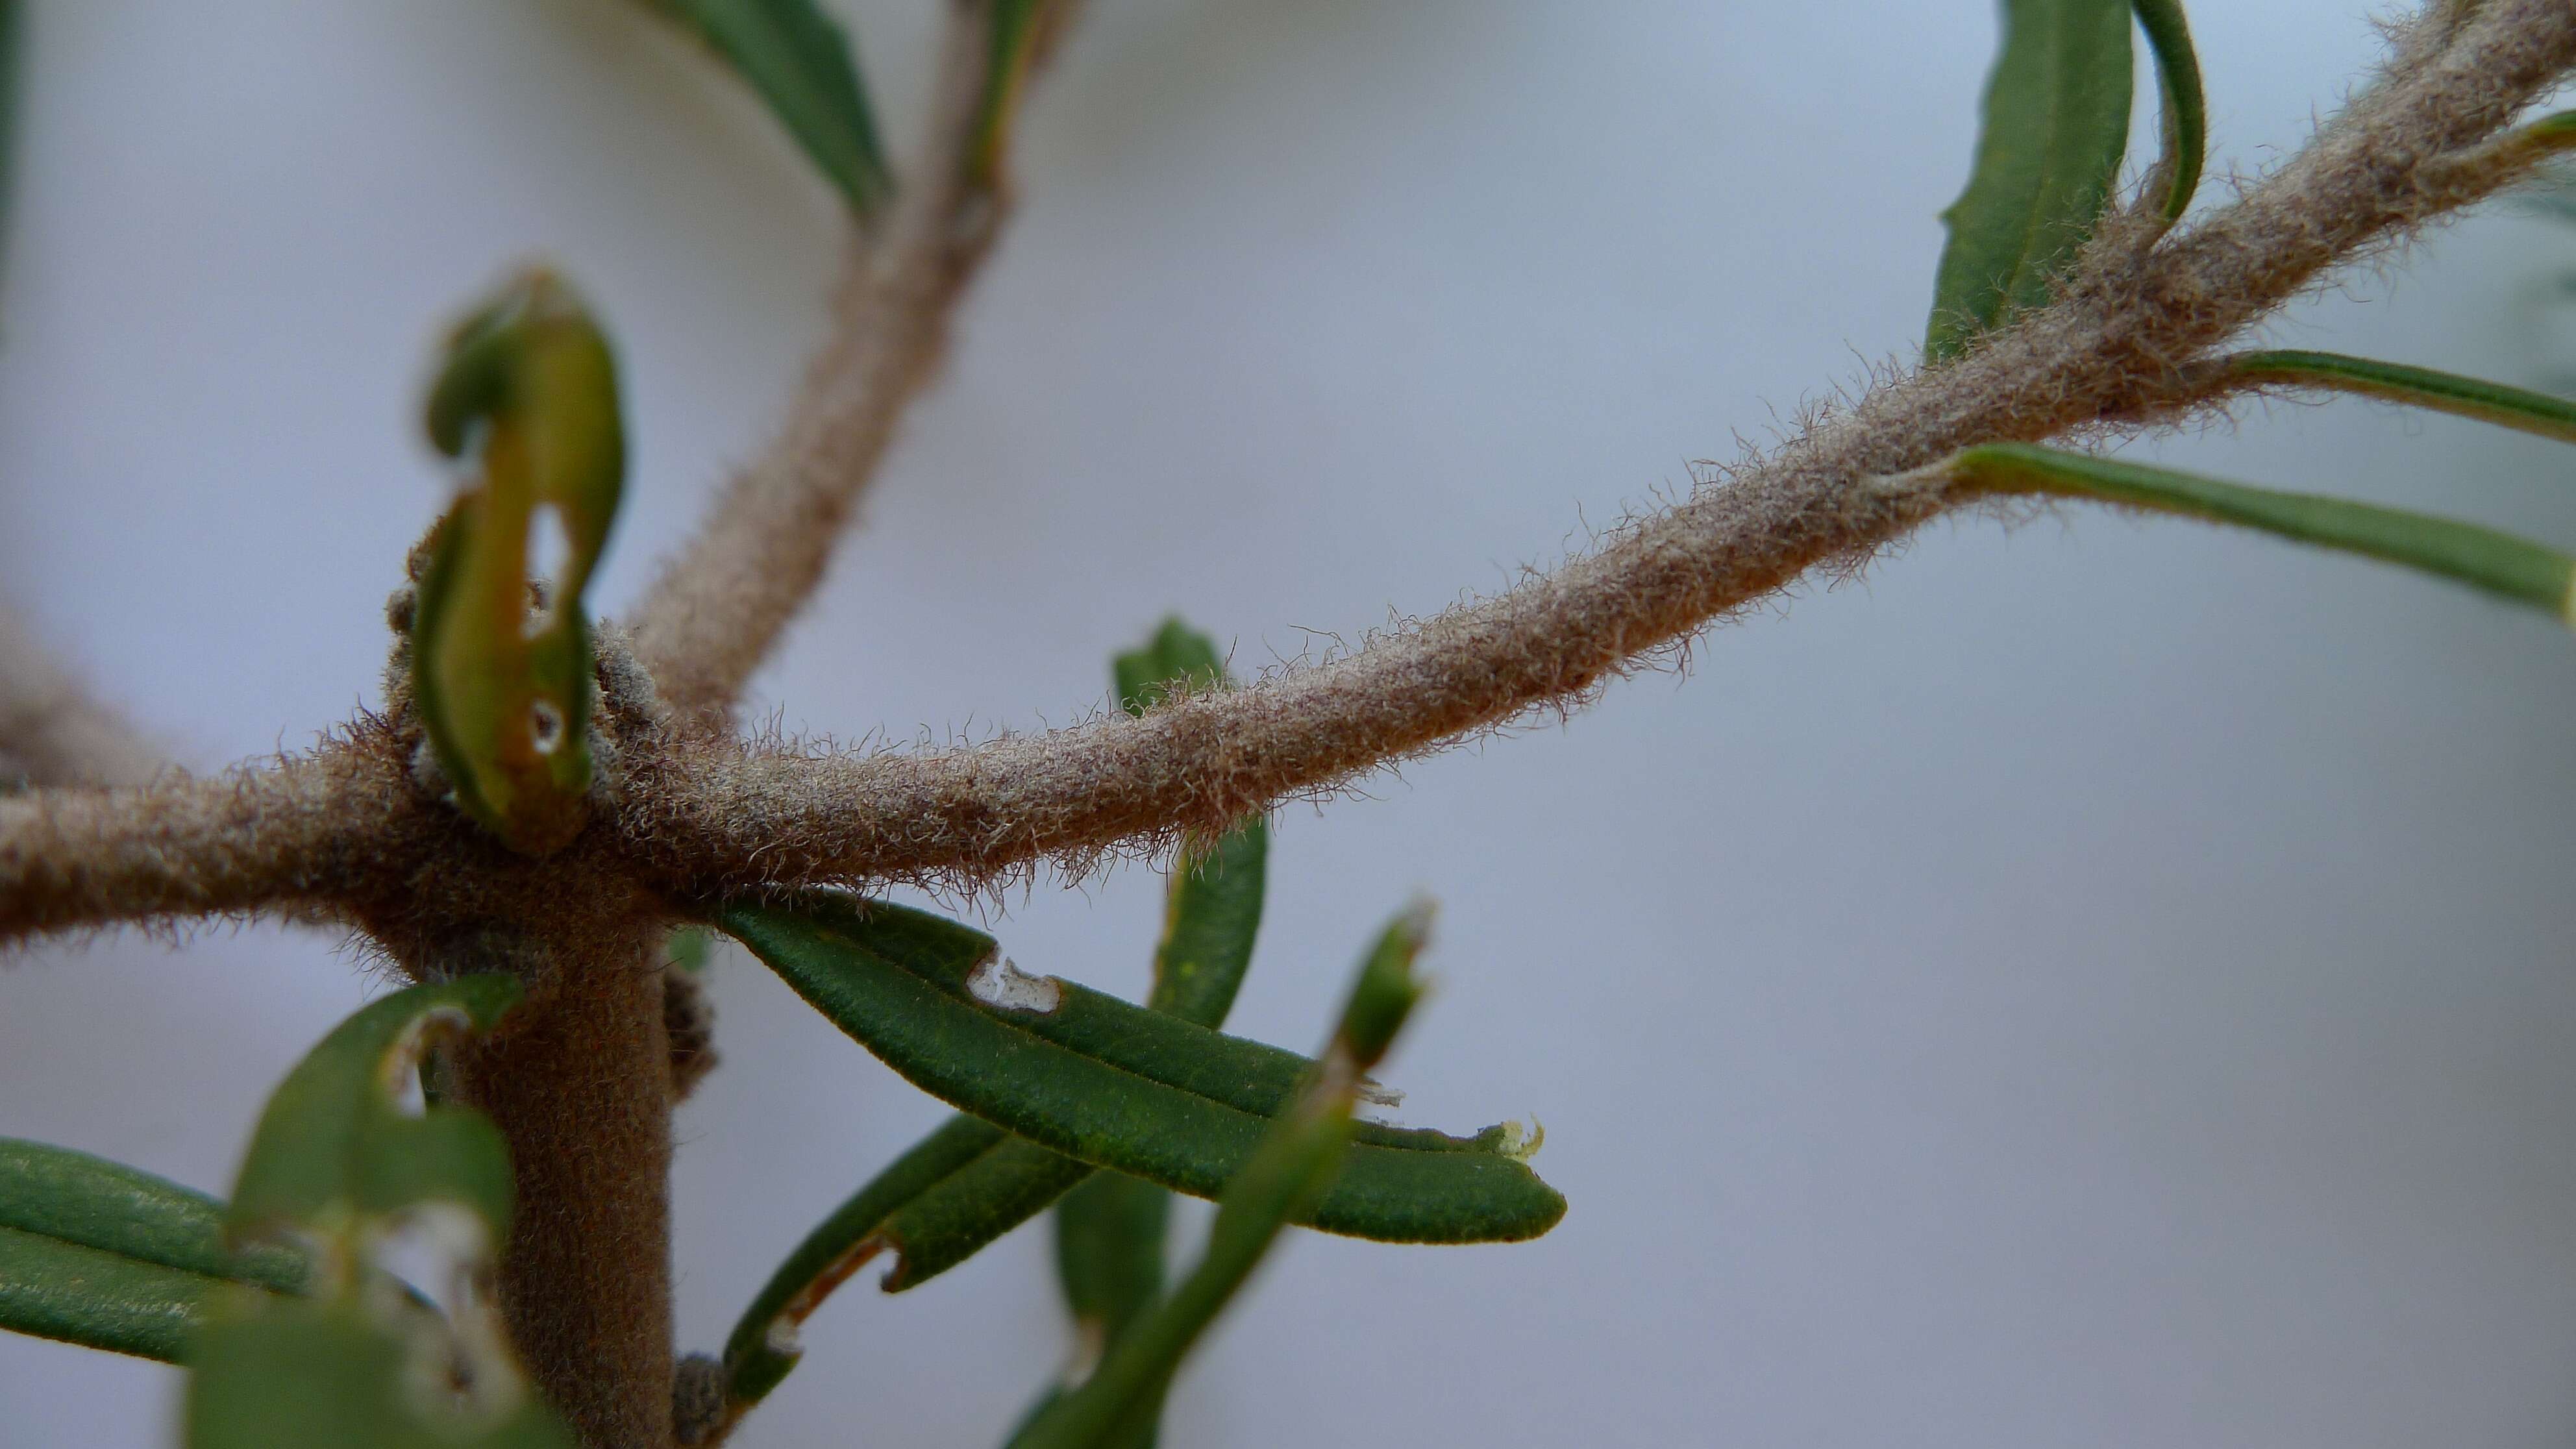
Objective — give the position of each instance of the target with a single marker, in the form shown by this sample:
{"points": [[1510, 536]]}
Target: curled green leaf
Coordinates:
{"points": [[340, 1163], [337, 1148], [2498, 563], [2422, 387], [803, 65], [528, 392], [2186, 109], [2056, 123], [1281, 1183], [1113, 1084]]}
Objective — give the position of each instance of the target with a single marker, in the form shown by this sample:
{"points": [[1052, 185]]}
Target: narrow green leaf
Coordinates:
{"points": [[335, 1147], [1212, 909], [1114, 1084], [528, 388], [58, 1193], [804, 66], [2536, 141], [2499, 563], [60, 1290], [1177, 660], [1019, 31], [355, 1373], [947, 1199], [1280, 1183], [2186, 109], [1109, 1251], [2468, 397], [2055, 126], [96, 1253], [969, 1182]]}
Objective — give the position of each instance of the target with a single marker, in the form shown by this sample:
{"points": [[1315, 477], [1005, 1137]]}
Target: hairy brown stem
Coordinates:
{"points": [[579, 1084], [2116, 350], [290, 838], [720, 606]]}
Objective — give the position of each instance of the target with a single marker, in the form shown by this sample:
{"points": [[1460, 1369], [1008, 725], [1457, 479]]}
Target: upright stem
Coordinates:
{"points": [[581, 1088]]}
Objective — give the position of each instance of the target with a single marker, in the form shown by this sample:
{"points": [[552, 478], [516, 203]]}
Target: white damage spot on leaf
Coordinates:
{"points": [[1520, 1143], [1378, 1094], [782, 1339], [399, 1072], [999, 983]]}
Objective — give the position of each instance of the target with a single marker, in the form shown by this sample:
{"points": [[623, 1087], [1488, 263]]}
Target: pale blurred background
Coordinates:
{"points": [[2101, 984]]}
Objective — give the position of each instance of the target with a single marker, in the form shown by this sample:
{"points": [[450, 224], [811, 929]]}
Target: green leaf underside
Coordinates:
{"points": [[333, 1146], [1291, 1169], [340, 1376], [2186, 108], [803, 66], [2498, 563], [2467, 397], [2055, 125], [99, 1254], [1117, 1085]]}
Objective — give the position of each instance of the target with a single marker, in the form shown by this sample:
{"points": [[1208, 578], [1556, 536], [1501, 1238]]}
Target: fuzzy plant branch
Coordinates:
{"points": [[720, 606], [52, 731], [2118, 352], [2128, 346], [292, 838]]}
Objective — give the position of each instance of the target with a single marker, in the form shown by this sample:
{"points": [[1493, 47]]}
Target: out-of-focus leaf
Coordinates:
{"points": [[1020, 31], [2421, 387], [528, 390], [356, 1373], [1279, 1184], [2186, 109], [688, 948], [1114, 1084], [804, 66], [2055, 126], [2499, 563], [339, 1164], [335, 1146], [96, 1253], [2536, 140]]}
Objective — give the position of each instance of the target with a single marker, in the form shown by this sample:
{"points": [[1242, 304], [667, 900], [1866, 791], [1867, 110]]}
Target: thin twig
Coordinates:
{"points": [[719, 607]]}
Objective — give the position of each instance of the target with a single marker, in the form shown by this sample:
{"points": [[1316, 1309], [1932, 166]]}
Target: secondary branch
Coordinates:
{"points": [[2115, 352], [719, 608]]}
